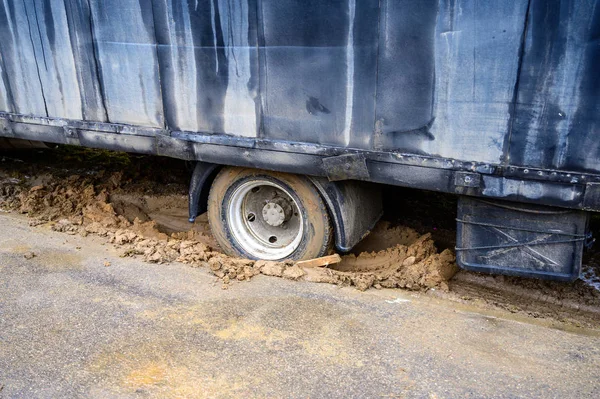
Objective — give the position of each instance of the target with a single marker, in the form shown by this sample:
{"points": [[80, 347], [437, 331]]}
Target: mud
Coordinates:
{"points": [[155, 227], [576, 303], [383, 236], [412, 264], [140, 207]]}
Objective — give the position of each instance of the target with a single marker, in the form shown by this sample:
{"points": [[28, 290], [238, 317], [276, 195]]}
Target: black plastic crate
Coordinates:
{"points": [[520, 239]]}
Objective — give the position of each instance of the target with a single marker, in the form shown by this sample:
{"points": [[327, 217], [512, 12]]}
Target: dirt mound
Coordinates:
{"points": [[155, 227], [413, 264], [384, 235]]}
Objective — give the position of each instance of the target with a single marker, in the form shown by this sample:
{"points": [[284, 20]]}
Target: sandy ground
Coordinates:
{"points": [[77, 320], [139, 206]]}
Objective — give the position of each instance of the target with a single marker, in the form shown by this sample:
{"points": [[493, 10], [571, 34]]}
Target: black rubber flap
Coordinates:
{"points": [[520, 239]]}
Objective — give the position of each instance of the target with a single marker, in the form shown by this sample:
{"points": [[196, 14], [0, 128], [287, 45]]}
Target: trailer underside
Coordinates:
{"points": [[541, 186]]}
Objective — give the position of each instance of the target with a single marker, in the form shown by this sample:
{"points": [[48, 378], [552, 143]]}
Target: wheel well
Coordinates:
{"points": [[354, 207]]}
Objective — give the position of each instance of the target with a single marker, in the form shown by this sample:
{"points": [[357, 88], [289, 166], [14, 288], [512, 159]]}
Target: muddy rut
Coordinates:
{"points": [[142, 210]]}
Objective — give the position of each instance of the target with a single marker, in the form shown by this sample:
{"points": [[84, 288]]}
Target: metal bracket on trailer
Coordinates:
{"points": [[346, 167], [6, 128], [591, 196], [466, 179]]}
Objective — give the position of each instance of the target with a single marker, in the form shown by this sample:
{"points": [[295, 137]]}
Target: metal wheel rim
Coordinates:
{"points": [[253, 236]]}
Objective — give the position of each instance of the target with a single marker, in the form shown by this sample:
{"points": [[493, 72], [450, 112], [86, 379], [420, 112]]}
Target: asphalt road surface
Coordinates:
{"points": [[78, 321]]}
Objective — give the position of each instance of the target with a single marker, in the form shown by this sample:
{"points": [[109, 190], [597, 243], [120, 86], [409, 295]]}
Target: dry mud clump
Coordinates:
{"points": [[102, 205], [414, 265]]}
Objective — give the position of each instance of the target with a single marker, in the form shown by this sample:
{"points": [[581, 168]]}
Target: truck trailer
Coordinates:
{"points": [[297, 112]]}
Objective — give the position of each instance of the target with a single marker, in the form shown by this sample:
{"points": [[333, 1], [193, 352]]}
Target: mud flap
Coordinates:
{"points": [[204, 174], [354, 207], [520, 239]]}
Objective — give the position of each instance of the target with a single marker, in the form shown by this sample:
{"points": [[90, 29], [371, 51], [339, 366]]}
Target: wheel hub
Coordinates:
{"points": [[277, 211], [265, 219]]}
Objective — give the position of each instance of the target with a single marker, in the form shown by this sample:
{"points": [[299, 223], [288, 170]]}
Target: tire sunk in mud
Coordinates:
{"points": [[267, 215]]}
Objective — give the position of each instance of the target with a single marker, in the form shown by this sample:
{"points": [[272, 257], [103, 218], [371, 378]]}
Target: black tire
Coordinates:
{"points": [[312, 240]]}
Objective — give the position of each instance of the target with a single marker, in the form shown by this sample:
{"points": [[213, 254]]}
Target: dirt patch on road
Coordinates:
{"points": [[575, 303]]}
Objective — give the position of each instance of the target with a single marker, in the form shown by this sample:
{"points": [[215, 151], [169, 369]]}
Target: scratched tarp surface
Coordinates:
{"points": [[512, 82]]}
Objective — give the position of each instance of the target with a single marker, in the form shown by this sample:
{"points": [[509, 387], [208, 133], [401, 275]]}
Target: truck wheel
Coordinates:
{"points": [[266, 215]]}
